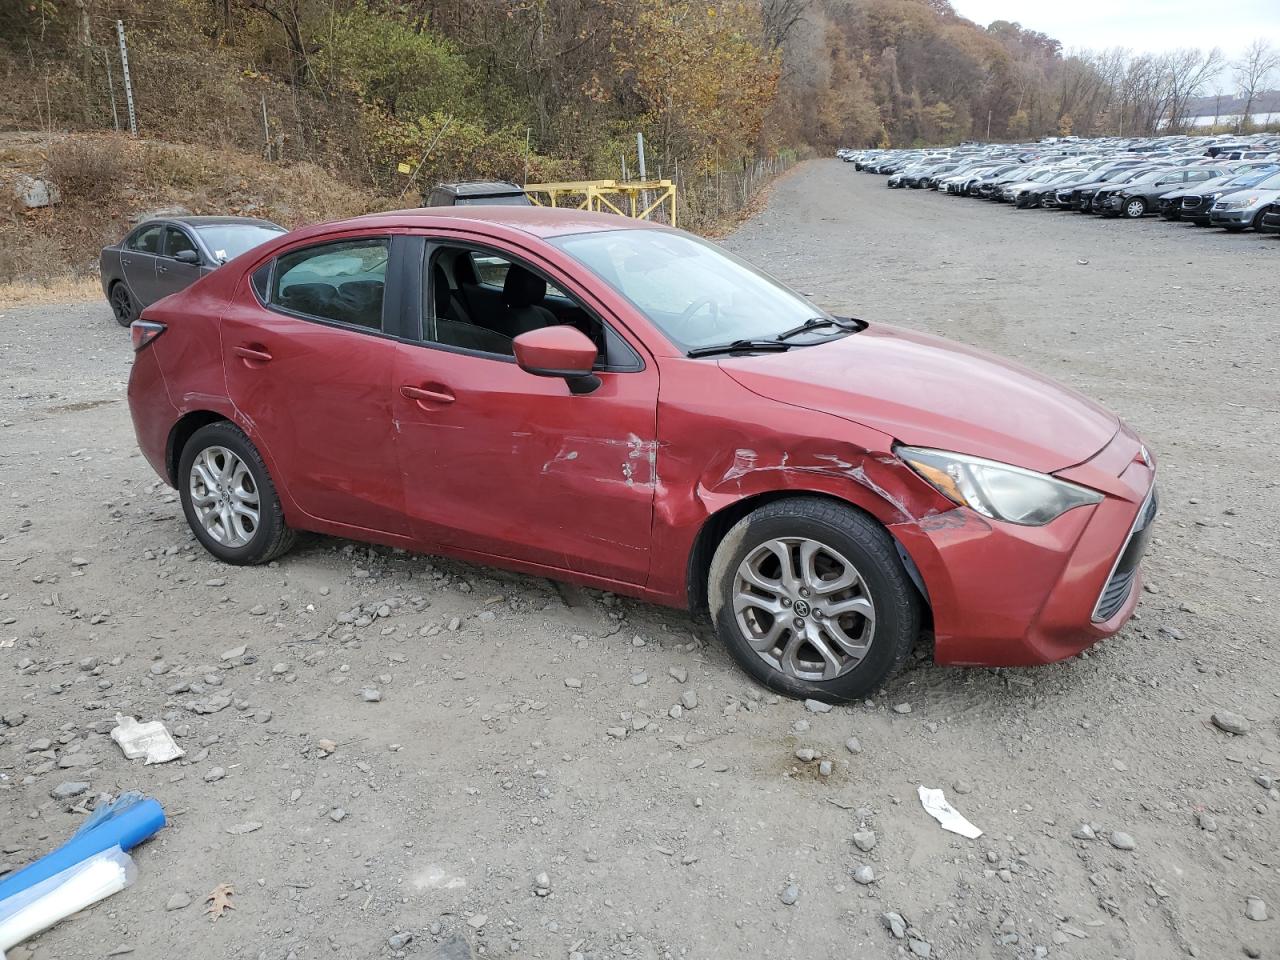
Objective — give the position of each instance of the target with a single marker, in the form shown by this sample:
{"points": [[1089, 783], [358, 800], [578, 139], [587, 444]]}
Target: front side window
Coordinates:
{"points": [[342, 282], [480, 300], [693, 291], [176, 241], [147, 240]]}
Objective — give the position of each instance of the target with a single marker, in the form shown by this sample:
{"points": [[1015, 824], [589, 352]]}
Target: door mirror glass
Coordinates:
{"points": [[187, 256], [559, 351]]}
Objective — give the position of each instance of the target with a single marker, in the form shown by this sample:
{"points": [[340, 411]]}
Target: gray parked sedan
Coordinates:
{"points": [[160, 257]]}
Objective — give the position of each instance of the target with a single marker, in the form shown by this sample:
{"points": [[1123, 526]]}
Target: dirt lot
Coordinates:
{"points": [[525, 730]]}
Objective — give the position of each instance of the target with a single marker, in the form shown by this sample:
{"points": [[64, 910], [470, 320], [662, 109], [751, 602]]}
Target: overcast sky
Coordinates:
{"points": [[1139, 24]]}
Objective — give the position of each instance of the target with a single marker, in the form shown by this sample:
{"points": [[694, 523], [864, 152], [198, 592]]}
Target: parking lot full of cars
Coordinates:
{"points": [[1228, 182]]}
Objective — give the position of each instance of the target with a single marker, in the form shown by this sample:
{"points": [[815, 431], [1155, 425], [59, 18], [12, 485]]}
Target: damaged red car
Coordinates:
{"points": [[628, 407]]}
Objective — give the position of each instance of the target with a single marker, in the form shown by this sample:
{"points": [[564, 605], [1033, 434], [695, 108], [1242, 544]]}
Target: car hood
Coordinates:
{"points": [[926, 391]]}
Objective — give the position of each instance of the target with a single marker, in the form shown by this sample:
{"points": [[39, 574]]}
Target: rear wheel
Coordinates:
{"points": [[122, 304], [811, 598], [229, 499]]}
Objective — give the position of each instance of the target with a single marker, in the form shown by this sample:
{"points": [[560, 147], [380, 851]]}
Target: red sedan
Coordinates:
{"points": [[610, 402]]}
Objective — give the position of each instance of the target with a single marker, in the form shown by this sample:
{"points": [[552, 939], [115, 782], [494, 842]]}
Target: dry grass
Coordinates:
{"points": [[108, 181], [89, 169], [23, 293]]}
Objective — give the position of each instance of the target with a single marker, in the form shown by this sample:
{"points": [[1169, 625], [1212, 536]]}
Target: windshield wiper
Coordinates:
{"points": [[737, 346], [814, 323]]}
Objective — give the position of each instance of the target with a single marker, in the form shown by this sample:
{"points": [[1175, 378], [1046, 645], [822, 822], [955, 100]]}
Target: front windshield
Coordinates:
{"points": [[228, 240], [1250, 179], [695, 292]]}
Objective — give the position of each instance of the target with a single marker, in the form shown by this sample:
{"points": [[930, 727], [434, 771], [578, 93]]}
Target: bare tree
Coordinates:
{"points": [[1187, 73], [780, 18], [1251, 72]]}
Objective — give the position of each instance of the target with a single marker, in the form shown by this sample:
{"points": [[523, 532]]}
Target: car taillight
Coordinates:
{"points": [[144, 331]]}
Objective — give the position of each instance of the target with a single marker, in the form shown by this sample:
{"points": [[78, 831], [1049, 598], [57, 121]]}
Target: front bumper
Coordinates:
{"points": [[1270, 222], [1231, 218], [1006, 595]]}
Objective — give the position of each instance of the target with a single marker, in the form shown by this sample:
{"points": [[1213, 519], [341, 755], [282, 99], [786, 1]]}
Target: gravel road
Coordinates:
{"points": [[392, 755]]}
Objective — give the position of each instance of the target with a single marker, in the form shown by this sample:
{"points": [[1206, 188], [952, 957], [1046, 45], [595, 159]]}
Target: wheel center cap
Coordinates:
{"points": [[801, 607]]}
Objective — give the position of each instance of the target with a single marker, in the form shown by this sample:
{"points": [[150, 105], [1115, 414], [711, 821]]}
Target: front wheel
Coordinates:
{"points": [[1135, 208], [811, 598], [229, 499]]}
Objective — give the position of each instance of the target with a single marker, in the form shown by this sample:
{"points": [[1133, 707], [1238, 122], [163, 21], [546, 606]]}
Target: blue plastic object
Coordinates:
{"points": [[126, 822]]}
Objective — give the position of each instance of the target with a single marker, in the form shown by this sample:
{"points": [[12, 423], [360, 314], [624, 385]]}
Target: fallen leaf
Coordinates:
{"points": [[219, 901]]}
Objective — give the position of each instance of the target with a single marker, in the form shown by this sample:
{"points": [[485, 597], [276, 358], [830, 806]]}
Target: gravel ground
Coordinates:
{"points": [[392, 755]]}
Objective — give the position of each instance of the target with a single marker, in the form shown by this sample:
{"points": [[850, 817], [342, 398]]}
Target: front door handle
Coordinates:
{"points": [[254, 353], [425, 395], [161, 268]]}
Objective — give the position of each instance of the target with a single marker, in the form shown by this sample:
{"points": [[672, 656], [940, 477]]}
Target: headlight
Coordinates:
{"points": [[997, 490]]}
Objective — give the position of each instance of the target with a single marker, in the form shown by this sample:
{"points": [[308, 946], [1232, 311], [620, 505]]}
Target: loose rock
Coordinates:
{"points": [[1231, 723]]}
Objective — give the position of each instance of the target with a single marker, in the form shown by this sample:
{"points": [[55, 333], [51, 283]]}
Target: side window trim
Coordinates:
{"points": [[433, 244], [269, 304]]}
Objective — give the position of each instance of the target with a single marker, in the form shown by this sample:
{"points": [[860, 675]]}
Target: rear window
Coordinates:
{"points": [[495, 200], [342, 282]]}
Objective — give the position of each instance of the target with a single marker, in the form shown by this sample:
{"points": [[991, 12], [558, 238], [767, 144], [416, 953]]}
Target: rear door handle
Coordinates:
{"points": [[252, 353], [425, 395]]}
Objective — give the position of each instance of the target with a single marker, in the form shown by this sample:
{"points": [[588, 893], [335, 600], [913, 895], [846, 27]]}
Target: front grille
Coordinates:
{"points": [[1120, 583], [1191, 203], [1115, 594]]}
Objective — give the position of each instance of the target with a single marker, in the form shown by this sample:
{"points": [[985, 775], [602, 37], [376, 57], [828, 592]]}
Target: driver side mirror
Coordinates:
{"points": [[559, 351], [187, 256]]}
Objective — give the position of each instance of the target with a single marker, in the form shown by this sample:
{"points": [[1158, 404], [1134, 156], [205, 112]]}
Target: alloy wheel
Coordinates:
{"points": [[803, 608], [225, 496]]}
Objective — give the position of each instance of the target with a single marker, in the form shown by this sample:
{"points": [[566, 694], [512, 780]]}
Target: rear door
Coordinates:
{"points": [[309, 354], [138, 257]]}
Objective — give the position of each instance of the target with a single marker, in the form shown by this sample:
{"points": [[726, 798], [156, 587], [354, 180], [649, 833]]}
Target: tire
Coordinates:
{"points": [[122, 306], [848, 544], [220, 450], [1135, 208]]}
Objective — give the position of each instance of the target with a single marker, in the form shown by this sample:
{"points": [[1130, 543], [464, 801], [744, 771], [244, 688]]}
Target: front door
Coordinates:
{"points": [[499, 462], [309, 364], [173, 275]]}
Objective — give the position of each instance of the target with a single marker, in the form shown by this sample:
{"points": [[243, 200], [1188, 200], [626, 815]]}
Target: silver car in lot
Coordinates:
{"points": [[162, 256], [1245, 208]]}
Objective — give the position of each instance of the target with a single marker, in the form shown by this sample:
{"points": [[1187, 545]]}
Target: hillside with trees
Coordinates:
{"points": [[724, 91]]}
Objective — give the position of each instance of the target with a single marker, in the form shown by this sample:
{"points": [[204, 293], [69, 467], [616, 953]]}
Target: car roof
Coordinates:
{"points": [[534, 220], [219, 221], [472, 188]]}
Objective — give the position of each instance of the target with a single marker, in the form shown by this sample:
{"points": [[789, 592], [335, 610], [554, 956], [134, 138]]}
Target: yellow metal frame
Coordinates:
{"points": [[627, 198]]}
